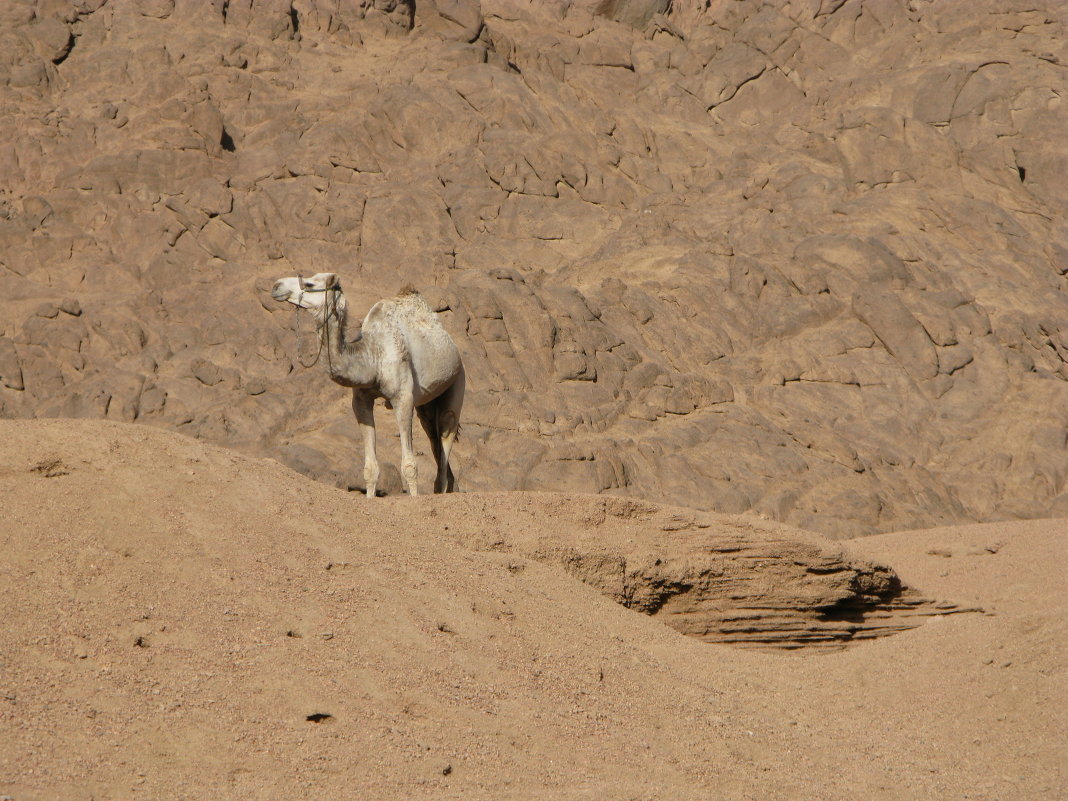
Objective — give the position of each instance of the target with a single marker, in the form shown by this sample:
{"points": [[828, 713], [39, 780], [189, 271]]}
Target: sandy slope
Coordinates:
{"points": [[172, 613]]}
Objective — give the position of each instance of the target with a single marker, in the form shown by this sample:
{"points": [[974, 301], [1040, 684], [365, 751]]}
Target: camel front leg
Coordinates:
{"points": [[364, 408], [404, 408]]}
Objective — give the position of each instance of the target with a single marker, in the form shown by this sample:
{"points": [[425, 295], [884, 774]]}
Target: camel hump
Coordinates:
{"points": [[411, 303], [405, 311], [411, 307]]}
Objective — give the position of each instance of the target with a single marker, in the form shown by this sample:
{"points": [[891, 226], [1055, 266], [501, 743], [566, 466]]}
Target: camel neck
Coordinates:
{"points": [[348, 364]]}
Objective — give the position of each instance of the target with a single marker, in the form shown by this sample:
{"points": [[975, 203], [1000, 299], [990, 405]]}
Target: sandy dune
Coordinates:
{"points": [[180, 621]]}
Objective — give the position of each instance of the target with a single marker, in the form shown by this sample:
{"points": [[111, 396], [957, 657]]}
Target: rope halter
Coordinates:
{"points": [[331, 304]]}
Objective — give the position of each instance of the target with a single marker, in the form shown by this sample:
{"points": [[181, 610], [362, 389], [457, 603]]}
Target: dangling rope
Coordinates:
{"points": [[331, 310], [296, 329]]}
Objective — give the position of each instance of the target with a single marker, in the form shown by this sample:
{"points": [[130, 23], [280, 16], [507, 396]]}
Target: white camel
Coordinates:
{"points": [[402, 354]]}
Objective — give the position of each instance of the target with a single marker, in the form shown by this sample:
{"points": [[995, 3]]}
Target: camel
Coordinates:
{"points": [[402, 354]]}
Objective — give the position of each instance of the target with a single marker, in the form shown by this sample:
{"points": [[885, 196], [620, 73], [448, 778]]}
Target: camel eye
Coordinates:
{"points": [[309, 285]]}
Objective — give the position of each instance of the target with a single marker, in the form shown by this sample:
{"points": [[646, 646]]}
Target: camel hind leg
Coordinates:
{"points": [[441, 421], [449, 406], [428, 418], [403, 409]]}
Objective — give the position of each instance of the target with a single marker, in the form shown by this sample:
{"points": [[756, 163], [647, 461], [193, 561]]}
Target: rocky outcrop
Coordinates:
{"points": [[802, 259], [720, 578]]}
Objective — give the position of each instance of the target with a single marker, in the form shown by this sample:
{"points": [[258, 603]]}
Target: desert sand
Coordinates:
{"points": [[180, 621]]}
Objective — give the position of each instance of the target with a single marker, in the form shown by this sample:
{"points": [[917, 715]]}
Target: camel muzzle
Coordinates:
{"points": [[279, 292]]}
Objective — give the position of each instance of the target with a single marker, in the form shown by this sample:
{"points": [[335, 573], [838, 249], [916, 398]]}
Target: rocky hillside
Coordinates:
{"points": [[804, 258]]}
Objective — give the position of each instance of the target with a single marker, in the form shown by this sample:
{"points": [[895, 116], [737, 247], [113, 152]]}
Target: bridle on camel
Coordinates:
{"points": [[331, 304]]}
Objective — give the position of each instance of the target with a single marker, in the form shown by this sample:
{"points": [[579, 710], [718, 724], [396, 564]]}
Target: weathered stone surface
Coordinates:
{"points": [[10, 369], [700, 252], [717, 578], [898, 331]]}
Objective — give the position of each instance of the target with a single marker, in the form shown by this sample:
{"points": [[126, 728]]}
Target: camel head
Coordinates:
{"points": [[317, 293]]}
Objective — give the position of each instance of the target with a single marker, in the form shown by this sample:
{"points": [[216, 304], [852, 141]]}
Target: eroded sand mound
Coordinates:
{"points": [[805, 258], [182, 621]]}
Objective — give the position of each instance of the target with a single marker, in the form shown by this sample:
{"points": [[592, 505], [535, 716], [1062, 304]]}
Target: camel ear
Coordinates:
{"points": [[330, 280]]}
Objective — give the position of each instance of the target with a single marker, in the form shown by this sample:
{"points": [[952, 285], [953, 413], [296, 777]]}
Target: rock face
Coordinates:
{"points": [[802, 258]]}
